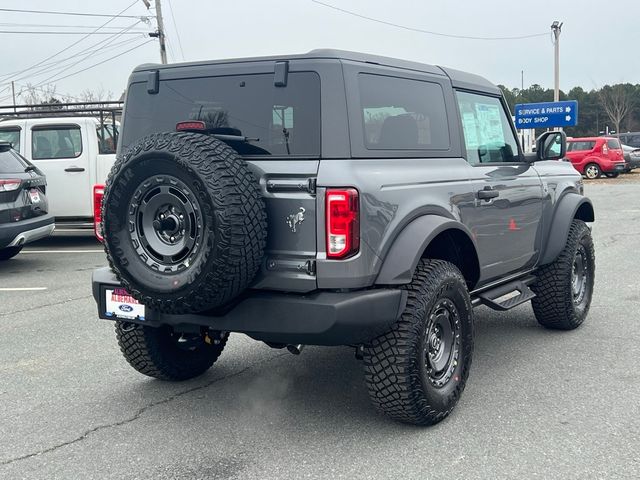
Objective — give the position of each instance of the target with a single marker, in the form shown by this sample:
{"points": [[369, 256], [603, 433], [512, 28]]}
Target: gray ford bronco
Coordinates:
{"points": [[334, 198]]}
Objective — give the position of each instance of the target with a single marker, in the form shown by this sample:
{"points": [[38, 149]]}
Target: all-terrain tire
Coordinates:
{"points": [[9, 252], [156, 352], [397, 363], [220, 223], [559, 303]]}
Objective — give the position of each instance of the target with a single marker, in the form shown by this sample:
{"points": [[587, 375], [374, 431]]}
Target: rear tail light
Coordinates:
{"points": [[98, 195], [10, 184], [342, 222], [605, 149]]}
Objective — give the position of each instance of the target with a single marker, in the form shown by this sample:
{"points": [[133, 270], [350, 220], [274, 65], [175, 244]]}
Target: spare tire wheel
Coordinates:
{"points": [[184, 222]]}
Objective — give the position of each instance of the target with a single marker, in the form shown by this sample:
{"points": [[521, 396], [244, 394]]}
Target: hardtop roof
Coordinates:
{"points": [[458, 78]]}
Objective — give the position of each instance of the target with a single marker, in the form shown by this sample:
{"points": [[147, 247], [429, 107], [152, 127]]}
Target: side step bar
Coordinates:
{"points": [[509, 295]]}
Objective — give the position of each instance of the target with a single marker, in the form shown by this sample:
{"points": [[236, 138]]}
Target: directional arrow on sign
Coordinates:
{"points": [[568, 118], [568, 109]]}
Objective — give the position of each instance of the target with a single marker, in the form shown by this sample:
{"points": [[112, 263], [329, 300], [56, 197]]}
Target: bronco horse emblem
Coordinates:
{"points": [[295, 219]]}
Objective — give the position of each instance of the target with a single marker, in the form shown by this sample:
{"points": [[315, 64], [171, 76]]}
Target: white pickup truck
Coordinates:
{"points": [[75, 153]]}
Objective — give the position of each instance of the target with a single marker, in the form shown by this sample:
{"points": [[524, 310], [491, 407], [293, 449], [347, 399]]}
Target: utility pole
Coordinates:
{"points": [[13, 93], [163, 48], [556, 28], [160, 32]]}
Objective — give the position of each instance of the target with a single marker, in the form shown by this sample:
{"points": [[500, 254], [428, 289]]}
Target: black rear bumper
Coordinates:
{"points": [[318, 318], [25, 231]]}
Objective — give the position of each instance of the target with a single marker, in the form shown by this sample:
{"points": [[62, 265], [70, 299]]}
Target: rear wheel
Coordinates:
{"points": [[592, 171], [166, 354], [9, 252], [612, 174], [564, 288], [416, 372]]}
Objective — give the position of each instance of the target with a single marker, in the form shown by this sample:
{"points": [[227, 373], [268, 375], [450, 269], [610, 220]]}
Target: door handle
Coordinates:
{"points": [[74, 169], [487, 193]]}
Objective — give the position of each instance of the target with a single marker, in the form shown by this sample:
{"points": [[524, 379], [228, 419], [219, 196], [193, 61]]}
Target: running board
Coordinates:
{"points": [[509, 295]]}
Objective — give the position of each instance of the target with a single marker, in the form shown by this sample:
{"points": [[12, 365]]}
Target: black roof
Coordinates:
{"points": [[458, 78]]}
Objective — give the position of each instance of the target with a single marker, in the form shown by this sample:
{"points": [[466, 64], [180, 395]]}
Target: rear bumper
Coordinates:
{"points": [[318, 318], [26, 231], [614, 167]]}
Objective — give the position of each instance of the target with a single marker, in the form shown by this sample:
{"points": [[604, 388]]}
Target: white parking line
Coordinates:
{"points": [[23, 289], [63, 251]]}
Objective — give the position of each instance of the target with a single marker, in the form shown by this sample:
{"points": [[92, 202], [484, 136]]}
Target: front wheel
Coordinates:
{"points": [[592, 171], [416, 372], [9, 252], [564, 288], [165, 354]]}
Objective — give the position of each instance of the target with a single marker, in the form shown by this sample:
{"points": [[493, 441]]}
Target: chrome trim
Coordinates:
{"points": [[32, 235]]}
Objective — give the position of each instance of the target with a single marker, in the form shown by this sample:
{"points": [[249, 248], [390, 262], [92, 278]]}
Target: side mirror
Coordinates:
{"points": [[551, 145]]}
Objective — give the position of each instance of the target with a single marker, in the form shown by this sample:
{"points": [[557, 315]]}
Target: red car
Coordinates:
{"points": [[593, 156]]}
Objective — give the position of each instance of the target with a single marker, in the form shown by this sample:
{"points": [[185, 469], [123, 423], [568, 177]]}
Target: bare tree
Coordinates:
{"points": [[617, 102]]}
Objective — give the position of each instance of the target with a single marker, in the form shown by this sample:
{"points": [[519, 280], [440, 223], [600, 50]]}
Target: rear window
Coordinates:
{"points": [[613, 143], [580, 145], [402, 114], [50, 143], [280, 121], [11, 135], [11, 163]]}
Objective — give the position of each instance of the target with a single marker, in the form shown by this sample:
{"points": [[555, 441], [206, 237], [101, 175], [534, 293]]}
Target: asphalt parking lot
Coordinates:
{"points": [[539, 404]]}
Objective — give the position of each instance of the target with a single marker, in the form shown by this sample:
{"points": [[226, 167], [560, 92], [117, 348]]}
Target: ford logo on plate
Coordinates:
{"points": [[126, 308]]}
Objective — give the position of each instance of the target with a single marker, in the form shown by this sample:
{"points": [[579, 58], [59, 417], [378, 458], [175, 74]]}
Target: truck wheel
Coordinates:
{"points": [[164, 354], [416, 372], [9, 252], [592, 171], [564, 288], [184, 222]]}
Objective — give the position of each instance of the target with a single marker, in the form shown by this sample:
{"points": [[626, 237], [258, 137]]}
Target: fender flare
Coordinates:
{"points": [[409, 245], [570, 206]]}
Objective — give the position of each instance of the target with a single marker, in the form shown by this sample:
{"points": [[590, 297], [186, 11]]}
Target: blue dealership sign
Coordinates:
{"points": [[546, 115]]}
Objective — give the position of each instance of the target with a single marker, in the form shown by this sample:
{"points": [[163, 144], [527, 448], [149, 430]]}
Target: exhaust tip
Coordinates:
{"points": [[295, 349]]}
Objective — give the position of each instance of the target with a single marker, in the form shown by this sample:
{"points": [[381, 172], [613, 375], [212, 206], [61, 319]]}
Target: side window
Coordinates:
{"points": [[56, 142], [11, 135], [402, 114], [613, 143], [487, 130], [106, 138]]}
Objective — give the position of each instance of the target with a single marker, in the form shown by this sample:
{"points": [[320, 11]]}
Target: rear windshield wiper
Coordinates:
{"points": [[234, 138], [30, 168]]}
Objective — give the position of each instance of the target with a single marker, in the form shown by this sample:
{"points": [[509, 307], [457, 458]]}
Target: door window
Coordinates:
{"points": [[54, 142], [402, 114], [107, 135], [487, 130], [11, 135], [579, 146]]}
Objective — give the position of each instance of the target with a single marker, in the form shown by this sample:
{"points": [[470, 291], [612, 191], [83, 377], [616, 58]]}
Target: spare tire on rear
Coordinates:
{"points": [[184, 222]]}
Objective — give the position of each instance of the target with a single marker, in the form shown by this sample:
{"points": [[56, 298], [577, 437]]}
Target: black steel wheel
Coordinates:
{"points": [[416, 372], [184, 222], [564, 287]]}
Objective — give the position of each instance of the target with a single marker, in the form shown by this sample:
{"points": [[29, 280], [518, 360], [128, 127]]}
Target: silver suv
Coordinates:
{"points": [[334, 198]]}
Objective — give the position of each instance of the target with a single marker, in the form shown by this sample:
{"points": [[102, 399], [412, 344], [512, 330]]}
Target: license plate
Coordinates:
{"points": [[35, 196], [120, 304]]}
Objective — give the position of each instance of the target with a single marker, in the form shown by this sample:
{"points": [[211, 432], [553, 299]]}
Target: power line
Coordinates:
{"points": [[419, 30], [104, 61], [112, 17], [50, 32], [80, 14], [57, 26], [175, 25]]}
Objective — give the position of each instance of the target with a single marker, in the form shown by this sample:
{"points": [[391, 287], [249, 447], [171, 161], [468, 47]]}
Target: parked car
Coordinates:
{"points": [[594, 156], [632, 157], [334, 198], [75, 153], [630, 138], [24, 215]]}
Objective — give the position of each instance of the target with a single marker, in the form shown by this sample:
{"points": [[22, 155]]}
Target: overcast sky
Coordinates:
{"points": [[599, 42]]}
